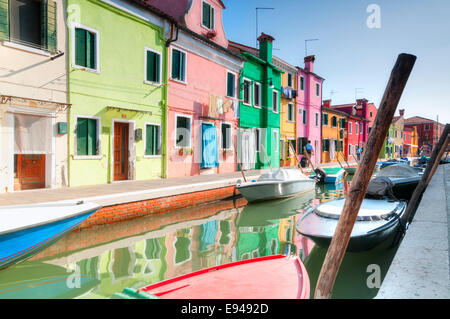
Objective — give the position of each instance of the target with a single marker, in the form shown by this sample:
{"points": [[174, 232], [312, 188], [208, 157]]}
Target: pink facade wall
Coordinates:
{"points": [[192, 99], [309, 101], [194, 21]]}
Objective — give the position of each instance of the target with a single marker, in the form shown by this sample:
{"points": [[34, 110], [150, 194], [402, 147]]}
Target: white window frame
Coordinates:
{"points": [[249, 92], [257, 84], [145, 139], [292, 113], [317, 119], [304, 117], [211, 8], [235, 84], [277, 104], [276, 137], [300, 83], [177, 115], [99, 140], [231, 136], [75, 25], [317, 89], [160, 66], [185, 64], [356, 128]]}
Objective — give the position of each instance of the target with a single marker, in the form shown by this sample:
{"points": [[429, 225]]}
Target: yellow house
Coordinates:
{"points": [[334, 135], [414, 142], [287, 108]]}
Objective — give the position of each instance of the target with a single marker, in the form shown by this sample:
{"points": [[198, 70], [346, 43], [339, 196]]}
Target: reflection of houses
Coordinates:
{"points": [[33, 95]]}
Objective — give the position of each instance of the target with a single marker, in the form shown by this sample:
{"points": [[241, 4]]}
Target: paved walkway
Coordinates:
{"points": [[420, 268], [131, 191]]}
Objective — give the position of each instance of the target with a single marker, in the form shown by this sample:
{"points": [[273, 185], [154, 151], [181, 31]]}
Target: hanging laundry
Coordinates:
{"points": [[212, 111], [236, 109], [219, 105]]}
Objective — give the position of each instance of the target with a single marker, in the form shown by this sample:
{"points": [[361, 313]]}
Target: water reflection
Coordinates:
{"points": [[98, 262]]}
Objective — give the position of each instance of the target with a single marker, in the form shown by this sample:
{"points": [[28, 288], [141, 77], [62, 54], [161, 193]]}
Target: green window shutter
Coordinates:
{"points": [[176, 64], [211, 26], [4, 20], [149, 146], [82, 132], [206, 14], [91, 50], [153, 64], [80, 47], [51, 27], [182, 65], [92, 137], [230, 84]]}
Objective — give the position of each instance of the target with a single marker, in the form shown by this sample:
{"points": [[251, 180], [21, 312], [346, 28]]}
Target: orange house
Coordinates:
{"points": [[334, 135]]}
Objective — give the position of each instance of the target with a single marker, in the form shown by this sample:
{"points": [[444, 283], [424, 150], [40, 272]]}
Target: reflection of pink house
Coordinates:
{"points": [[309, 103], [202, 94]]}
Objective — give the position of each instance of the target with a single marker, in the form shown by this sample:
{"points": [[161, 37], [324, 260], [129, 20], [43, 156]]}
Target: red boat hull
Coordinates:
{"points": [[271, 277]]}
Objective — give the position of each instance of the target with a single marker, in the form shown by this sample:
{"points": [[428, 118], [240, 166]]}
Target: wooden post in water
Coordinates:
{"points": [[307, 156], [265, 154], [429, 171], [348, 165], [360, 182], [291, 149]]}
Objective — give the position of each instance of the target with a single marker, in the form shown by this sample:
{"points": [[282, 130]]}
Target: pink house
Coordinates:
{"points": [[203, 93], [309, 103]]}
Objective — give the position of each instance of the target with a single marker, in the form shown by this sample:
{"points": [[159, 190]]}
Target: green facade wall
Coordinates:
{"points": [[258, 70], [116, 91]]}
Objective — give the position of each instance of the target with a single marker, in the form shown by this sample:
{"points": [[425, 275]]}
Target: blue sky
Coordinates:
{"points": [[351, 55]]}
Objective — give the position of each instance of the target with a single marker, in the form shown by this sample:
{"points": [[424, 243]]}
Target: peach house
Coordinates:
{"points": [[202, 94]]}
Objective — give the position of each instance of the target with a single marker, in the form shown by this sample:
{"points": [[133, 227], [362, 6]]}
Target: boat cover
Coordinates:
{"points": [[371, 209], [379, 187], [398, 171], [282, 175]]}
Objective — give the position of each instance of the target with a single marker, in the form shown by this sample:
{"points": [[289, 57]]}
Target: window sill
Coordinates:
{"points": [[257, 106], [83, 68], [179, 81], [152, 156], [87, 157], [153, 83], [26, 48]]}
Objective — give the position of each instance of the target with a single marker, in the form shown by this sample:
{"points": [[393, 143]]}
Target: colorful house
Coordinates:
{"points": [[363, 110], [388, 150], [355, 136], [334, 135], [117, 91], [309, 104], [33, 95], [203, 91], [428, 132], [259, 108], [398, 126], [288, 113]]}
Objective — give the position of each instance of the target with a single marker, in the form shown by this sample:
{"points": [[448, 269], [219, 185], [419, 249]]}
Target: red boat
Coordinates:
{"points": [[270, 277]]}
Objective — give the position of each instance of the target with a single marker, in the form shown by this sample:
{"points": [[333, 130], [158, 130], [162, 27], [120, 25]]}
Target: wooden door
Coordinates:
{"points": [[120, 151], [30, 171]]}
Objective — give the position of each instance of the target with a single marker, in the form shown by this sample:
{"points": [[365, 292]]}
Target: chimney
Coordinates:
{"points": [[327, 103], [265, 47], [402, 112], [362, 102], [309, 63]]}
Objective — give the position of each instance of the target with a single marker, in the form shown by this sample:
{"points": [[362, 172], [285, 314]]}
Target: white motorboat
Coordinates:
{"points": [[376, 221], [274, 184]]}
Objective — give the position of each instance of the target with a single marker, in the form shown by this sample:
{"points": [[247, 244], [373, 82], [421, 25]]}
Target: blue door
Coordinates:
{"points": [[210, 144]]}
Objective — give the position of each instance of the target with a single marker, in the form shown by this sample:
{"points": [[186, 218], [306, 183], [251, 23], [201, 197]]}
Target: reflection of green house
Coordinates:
{"points": [[257, 241]]}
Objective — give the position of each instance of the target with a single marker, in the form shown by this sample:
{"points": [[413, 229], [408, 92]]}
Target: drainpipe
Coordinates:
{"points": [[165, 93]]}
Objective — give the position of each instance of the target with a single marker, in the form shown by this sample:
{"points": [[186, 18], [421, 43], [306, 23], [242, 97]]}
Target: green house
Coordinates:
{"points": [[259, 108], [117, 90], [387, 151]]}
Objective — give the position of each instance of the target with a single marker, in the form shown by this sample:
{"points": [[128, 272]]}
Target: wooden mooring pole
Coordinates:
{"points": [[360, 182]]}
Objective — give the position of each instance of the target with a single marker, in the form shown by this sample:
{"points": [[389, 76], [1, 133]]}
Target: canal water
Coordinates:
{"points": [[96, 263]]}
